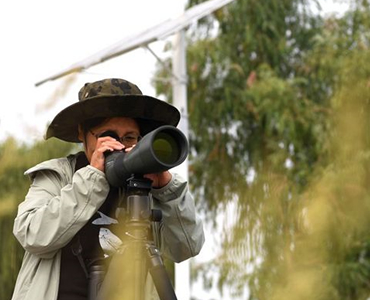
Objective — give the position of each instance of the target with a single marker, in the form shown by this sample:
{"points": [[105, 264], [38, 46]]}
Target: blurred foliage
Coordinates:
{"points": [[278, 115], [15, 159], [329, 258]]}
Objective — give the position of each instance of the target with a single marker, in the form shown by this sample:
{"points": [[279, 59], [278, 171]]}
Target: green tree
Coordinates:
{"points": [[262, 80], [330, 259]]}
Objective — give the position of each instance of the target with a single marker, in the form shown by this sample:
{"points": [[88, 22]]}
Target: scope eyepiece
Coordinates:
{"points": [[110, 133]]}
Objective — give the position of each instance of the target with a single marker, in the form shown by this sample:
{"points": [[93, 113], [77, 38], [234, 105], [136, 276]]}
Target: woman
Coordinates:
{"points": [[68, 219]]}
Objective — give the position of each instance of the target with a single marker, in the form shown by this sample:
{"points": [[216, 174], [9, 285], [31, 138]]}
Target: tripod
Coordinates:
{"points": [[126, 276]]}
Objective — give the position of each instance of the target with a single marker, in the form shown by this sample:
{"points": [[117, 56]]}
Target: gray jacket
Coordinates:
{"points": [[59, 203]]}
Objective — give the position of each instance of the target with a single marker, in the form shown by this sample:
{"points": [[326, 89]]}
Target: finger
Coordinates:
{"points": [[108, 139], [101, 150], [115, 145], [128, 149]]}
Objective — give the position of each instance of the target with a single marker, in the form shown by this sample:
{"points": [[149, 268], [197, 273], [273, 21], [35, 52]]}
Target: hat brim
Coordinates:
{"points": [[152, 111]]}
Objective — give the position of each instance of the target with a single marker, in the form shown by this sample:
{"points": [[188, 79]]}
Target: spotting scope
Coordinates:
{"points": [[159, 150]]}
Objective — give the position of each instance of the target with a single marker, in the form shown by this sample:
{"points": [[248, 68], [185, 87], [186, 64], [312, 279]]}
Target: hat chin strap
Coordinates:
{"points": [[84, 142]]}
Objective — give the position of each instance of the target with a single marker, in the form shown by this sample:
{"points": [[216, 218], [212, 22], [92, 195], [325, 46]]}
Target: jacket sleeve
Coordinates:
{"points": [[181, 230], [53, 211]]}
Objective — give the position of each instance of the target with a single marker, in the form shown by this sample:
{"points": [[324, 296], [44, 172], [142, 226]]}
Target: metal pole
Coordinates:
{"points": [[179, 86]]}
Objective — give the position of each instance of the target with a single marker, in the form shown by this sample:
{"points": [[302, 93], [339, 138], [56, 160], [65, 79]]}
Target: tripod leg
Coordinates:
{"points": [[125, 278], [159, 275]]}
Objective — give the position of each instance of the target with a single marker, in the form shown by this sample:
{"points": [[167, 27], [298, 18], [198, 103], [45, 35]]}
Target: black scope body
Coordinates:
{"points": [[159, 150]]}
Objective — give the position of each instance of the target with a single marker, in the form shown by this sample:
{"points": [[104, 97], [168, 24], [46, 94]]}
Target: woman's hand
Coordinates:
{"points": [[104, 144], [159, 179]]}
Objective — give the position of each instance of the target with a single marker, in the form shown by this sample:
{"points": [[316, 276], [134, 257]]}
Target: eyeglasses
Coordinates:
{"points": [[127, 140]]}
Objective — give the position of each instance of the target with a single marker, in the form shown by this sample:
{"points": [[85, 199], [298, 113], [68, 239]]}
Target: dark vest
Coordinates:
{"points": [[84, 249]]}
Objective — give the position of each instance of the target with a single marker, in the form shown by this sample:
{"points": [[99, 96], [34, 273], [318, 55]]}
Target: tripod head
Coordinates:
{"points": [[138, 207]]}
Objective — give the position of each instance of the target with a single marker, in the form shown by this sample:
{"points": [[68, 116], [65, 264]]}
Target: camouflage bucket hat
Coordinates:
{"points": [[111, 98]]}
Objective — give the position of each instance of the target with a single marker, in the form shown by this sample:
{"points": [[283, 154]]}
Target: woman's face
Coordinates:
{"points": [[123, 127]]}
